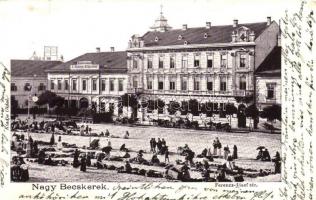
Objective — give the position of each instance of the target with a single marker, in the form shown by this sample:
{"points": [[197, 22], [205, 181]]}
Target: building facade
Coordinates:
{"points": [[93, 79], [268, 80], [210, 64], [29, 79]]}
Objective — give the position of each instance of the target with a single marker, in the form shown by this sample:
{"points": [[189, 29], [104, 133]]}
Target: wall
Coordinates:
{"points": [[21, 95]]}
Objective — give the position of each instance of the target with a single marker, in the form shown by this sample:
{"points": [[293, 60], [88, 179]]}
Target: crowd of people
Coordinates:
{"points": [[178, 169]]}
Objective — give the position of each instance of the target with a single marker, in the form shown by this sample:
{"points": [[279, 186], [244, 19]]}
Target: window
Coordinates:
{"points": [[58, 84], [52, 85], [135, 63], [66, 85], [135, 82], [160, 62], [242, 61], [74, 84], [270, 90], [196, 84], [103, 84], [160, 85], [94, 84], [223, 61], [41, 87], [222, 84], [150, 63], [13, 87], [184, 62], [111, 85], [172, 62], [84, 85], [172, 85], [184, 84], [209, 85], [120, 82], [242, 83], [149, 84], [196, 62], [209, 62]]}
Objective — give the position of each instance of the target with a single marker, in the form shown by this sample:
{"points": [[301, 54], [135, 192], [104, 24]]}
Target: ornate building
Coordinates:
{"points": [[97, 79], [210, 64]]}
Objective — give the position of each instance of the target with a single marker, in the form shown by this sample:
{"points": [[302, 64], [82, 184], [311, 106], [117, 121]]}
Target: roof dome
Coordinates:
{"points": [[161, 23]]}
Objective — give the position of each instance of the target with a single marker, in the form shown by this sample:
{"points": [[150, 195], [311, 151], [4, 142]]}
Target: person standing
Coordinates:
{"points": [[88, 160], [219, 146], [151, 145], [76, 159], [167, 155], [59, 143], [154, 145], [226, 152], [83, 166], [235, 155], [277, 163], [163, 142], [159, 145], [214, 147]]}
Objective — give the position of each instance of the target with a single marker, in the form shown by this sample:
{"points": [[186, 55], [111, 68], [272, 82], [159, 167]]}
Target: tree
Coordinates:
{"points": [[160, 105], [173, 107], [45, 98], [230, 110], [272, 113], [52, 139], [207, 108], [194, 107], [253, 112], [52, 100]]}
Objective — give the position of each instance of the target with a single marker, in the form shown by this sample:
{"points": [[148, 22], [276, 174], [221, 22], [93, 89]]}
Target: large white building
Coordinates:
{"points": [[211, 63], [97, 79]]}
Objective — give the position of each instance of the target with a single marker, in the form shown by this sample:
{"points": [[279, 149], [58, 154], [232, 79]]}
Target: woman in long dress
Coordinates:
{"points": [[59, 143]]}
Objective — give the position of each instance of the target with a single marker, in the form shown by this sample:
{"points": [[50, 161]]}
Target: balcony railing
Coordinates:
{"points": [[135, 90], [240, 93], [243, 93]]}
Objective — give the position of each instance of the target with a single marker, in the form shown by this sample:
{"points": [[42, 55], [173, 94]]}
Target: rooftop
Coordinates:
{"points": [[271, 65], [28, 68], [110, 62], [199, 35]]}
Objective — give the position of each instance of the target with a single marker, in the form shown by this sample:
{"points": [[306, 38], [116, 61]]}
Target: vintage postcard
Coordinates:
{"points": [[140, 100]]}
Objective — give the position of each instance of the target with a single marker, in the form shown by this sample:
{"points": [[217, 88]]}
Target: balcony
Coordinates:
{"points": [[189, 92], [243, 93], [135, 90]]}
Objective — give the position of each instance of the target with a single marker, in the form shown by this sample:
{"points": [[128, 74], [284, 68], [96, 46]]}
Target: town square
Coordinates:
{"points": [[180, 103]]}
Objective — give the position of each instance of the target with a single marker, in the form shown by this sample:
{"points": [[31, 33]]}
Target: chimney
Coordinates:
{"points": [[184, 27], [268, 21], [235, 23], [208, 25], [112, 49], [98, 49]]}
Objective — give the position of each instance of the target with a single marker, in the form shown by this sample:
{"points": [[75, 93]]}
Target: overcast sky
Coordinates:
{"points": [[80, 26]]}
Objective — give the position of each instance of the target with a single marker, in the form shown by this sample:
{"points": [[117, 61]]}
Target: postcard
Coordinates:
{"points": [[157, 100]]}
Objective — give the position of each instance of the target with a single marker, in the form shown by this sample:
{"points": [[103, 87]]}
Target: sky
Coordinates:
{"points": [[79, 26]]}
